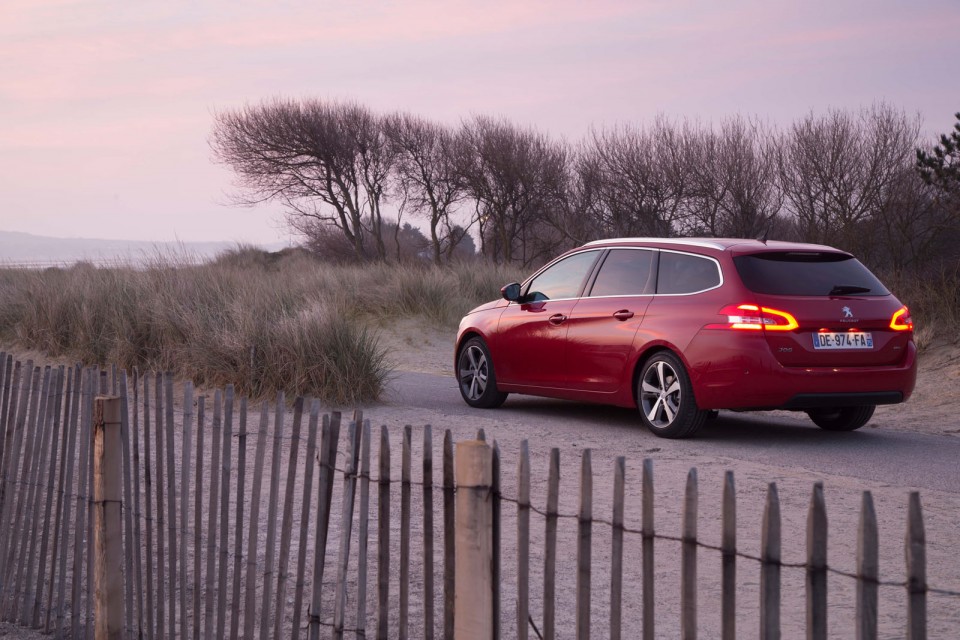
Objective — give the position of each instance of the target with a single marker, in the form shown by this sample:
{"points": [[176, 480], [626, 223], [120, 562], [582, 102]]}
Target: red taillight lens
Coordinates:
{"points": [[901, 320], [750, 317]]}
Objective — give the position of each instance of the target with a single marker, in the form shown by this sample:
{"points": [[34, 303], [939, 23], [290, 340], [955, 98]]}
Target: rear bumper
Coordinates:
{"points": [[751, 378]]}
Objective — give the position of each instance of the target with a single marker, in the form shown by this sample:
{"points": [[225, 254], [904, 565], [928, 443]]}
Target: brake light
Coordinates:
{"points": [[750, 317], [901, 320]]}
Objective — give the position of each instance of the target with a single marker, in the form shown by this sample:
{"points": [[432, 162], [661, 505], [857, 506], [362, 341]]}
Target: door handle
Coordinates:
{"points": [[557, 318], [623, 314]]}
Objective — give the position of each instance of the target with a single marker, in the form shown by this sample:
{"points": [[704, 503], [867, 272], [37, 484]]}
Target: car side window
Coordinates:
{"points": [[562, 279], [685, 273], [625, 272]]}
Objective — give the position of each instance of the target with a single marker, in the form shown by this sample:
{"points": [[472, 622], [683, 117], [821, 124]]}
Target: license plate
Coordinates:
{"points": [[843, 340]]}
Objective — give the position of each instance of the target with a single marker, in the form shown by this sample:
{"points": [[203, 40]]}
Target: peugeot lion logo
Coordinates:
{"points": [[847, 313]]}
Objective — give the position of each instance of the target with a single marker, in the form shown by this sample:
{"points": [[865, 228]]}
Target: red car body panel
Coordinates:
{"points": [[590, 349]]}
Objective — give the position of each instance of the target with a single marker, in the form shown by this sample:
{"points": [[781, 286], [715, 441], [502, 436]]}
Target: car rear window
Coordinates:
{"points": [[801, 273]]}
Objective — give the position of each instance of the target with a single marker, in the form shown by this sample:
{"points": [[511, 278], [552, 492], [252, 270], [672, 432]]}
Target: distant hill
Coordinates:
{"points": [[25, 249]]}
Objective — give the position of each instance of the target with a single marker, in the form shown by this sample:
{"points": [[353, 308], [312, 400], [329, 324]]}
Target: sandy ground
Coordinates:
{"points": [[415, 347]]}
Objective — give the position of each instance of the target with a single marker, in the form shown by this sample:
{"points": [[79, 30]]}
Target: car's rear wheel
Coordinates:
{"points": [[478, 384], [665, 398], [842, 418]]}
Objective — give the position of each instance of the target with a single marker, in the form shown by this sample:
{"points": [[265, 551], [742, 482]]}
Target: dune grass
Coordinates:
{"points": [[263, 322]]}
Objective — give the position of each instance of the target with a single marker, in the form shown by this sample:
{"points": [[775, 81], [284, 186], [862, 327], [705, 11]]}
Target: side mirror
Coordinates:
{"points": [[511, 292]]}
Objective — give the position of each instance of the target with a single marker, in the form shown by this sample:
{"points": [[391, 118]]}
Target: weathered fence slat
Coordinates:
{"points": [[148, 501], [137, 507], [584, 541], [11, 457], [100, 376], [868, 570], [238, 531], [64, 497], [550, 546], [817, 565], [223, 566], [523, 540], [48, 469], [405, 498], [8, 413], [916, 554], [364, 532], [171, 504], [497, 573], [48, 525], [23, 516], [186, 444], [130, 548], [272, 507], [6, 373], [428, 608], [770, 567], [250, 593], [688, 560], [647, 533], [160, 522], [328, 455], [198, 518], [86, 409], [305, 516], [383, 537], [323, 461], [108, 523], [449, 558], [23, 602], [728, 549], [58, 555], [616, 547], [355, 431], [213, 504], [286, 527], [405, 465]]}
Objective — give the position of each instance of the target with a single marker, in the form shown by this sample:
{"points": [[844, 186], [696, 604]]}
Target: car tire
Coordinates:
{"points": [[665, 398], [842, 418], [475, 376]]}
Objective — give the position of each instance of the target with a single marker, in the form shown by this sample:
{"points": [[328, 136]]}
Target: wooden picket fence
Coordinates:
{"points": [[120, 517]]}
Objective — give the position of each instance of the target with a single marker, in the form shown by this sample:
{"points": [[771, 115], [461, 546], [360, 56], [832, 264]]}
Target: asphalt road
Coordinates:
{"points": [[878, 454]]}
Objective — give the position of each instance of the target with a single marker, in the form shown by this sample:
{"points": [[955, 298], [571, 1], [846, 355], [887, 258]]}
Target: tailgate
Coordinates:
{"points": [[837, 331]]}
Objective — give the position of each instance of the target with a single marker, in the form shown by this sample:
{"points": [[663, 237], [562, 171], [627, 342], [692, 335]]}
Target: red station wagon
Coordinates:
{"points": [[681, 328]]}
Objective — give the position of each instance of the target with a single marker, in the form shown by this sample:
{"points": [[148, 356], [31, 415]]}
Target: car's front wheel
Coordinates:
{"points": [[842, 418], [665, 398], [478, 384]]}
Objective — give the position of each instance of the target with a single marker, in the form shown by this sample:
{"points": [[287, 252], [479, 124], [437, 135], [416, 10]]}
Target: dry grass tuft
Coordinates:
{"points": [[261, 321]]}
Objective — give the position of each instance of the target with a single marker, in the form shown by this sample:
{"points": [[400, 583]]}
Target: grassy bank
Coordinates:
{"points": [[260, 321]]}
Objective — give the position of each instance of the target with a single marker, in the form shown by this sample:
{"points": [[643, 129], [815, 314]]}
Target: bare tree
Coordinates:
{"points": [[327, 162], [638, 178], [840, 170], [515, 177], [427, 176], [734, 188]]}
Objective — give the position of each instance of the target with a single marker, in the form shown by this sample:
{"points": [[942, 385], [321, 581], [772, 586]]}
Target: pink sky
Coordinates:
{"points": [[105, 107]]}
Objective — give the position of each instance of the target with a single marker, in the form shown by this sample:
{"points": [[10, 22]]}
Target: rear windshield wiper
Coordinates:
{"points": [[843, 289]]}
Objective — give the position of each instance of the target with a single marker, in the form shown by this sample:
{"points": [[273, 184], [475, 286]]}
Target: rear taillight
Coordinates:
{"points": [[901, 320], [750, 317]]}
